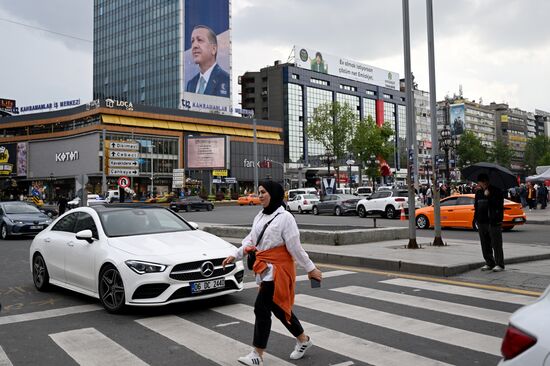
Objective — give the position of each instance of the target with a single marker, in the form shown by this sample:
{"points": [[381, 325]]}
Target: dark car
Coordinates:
{"points": [[337, 204], [191, 203], [20, 218], [50, 211]]}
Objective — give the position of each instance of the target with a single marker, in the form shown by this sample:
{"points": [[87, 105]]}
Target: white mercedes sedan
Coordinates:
{"points": [[140, 256]]}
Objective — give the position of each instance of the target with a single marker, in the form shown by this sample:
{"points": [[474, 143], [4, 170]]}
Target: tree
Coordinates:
{"points": [[535, 152], [501, 154], [332, 125], [545, 159], [470, 150], [371, 141]]}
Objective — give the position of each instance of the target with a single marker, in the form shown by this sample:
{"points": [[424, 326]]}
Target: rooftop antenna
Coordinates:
{"points": [[291, 58]]}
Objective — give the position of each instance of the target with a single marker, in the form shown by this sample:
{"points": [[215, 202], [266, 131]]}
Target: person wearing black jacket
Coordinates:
{"points": [[489, 213]]}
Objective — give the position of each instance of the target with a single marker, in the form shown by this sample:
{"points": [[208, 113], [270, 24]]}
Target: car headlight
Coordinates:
{"points": [[17, 221], [145, 267], [47, 222]]}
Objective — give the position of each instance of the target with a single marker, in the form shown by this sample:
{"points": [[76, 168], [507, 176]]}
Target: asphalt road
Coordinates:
{"points": [[357, 317], [243, 215]]}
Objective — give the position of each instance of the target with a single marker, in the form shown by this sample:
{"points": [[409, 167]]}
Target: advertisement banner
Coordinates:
{"points": [[206, 152], [8, 105], [457, 119], [207, 45], [311, 59], [13, 159]]}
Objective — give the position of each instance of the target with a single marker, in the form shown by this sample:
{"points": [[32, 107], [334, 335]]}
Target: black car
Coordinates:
{"points": [[191, 203], [50, 211], [20, 218], [336, 204]]}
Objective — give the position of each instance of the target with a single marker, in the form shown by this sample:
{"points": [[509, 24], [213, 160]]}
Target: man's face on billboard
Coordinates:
{"points": [[204, 52]]}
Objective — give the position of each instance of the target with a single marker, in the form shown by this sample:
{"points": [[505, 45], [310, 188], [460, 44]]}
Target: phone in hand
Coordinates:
{"points": [[315, 283]]}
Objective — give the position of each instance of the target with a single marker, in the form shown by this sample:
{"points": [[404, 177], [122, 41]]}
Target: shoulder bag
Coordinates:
{"points": [[251, 257]]}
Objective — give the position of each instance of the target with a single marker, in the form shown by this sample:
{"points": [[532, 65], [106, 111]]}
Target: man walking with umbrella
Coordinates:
{"points": [[489, 213]]}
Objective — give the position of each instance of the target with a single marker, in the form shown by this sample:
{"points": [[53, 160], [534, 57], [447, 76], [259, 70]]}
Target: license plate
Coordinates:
{"points": [[37, 227], [197, 287], [518, 219]]}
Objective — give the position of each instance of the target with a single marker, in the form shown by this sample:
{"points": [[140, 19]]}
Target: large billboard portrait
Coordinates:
{"points": [[457, 119], [13, 159], [207, 45]]}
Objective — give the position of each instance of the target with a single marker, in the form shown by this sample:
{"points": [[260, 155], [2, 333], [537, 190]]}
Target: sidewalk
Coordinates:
{"points": [[527, 265], [538, 216]]}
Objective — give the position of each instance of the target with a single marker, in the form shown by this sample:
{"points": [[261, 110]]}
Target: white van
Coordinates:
{"points": [[343, 190], [294, 192], [113, 195]]}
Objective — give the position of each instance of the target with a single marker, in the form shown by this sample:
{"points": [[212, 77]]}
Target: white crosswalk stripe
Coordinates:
{"points": [[452, 308], [463, 291], [4, 360], [89, 347], [341, 343], [433, 331], [201, 340], [301, 278]]}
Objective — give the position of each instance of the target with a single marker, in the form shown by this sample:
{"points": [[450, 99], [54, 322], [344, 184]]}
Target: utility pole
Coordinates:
{"points": [[255, 157], [104, 167], [410, 126], [438, 241]]}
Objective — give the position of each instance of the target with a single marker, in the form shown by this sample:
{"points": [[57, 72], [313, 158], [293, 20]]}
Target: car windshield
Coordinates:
{"points": [[309, 196], [141, 221], [20, 208]]}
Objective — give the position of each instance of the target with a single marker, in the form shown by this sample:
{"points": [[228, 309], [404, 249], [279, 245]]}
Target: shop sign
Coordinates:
{"points": [[123, 154], [66, 156], [122, 145], [216, 180], [123, 163], [112, 103], [219, 173], [231, 180]]}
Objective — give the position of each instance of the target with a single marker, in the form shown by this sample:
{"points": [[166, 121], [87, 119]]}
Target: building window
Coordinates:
{"points": [[316, 97], [296, 76], [319, 81], [388, 96], [369, 108], [370, 92], [350, 100], [295, 123], [348, 87]]}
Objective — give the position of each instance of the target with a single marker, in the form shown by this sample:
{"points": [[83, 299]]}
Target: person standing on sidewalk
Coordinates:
{"points": [[531, 196], [489, 213], [275, 271]]}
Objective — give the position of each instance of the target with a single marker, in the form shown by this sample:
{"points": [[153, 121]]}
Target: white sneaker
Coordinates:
{"points": [[300, 349], [251, 359], [486, 268], [498, 269]]}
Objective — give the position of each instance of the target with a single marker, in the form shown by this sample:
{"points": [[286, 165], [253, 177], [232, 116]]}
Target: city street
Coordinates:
{"points": [[243, 215], [358, 317]]}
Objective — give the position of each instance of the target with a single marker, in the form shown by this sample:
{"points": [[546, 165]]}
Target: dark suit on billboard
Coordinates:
{"points": [[218, 83]]}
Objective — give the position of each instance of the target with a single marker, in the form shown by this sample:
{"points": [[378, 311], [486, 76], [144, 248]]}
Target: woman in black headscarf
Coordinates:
{"points": [[276, 240]]}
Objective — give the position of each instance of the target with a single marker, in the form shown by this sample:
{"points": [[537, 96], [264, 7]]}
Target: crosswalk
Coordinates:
{"points": [[374, 324]]}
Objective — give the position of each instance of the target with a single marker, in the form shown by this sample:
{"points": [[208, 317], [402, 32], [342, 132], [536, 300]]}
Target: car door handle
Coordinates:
{"points": [[449, 210], [47, 240], [71, 243]]}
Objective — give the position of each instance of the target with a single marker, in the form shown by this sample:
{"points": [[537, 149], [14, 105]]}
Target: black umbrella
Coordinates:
{"points": [[499, 177]]}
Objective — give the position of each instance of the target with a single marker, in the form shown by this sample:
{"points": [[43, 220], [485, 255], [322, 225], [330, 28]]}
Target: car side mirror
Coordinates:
{"points": [[194, 225], [85, 235]]}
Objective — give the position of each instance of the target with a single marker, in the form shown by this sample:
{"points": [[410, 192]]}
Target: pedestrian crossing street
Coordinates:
{"points": [[395, 321]]}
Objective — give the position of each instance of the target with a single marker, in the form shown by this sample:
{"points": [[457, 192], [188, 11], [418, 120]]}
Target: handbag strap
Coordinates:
{"points": [[263, 230]]}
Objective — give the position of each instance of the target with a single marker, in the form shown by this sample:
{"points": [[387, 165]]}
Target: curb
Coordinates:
{"points": [[402, 266], [538, 222]]}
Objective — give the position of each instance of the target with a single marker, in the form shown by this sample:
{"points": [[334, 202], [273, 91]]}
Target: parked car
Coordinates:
{"points": [[191, 203], [93, 199], [363, 191], [458, 211], [143, 256], [343, 190], [291, 193], [250, 199], [527, 339], [19, 218], [337, 204], [302, 203], [387, 203]]}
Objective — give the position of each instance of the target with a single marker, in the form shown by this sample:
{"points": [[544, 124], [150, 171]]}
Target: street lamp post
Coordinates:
{"points": [[51, 188], [152, 171], [447, 142], [328, 156]]}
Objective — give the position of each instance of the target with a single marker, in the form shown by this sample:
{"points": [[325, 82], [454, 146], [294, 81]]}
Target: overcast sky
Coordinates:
{"points": [[498, 50]]}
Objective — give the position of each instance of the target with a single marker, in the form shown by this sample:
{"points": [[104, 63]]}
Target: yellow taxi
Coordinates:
{"points": [[249, 199]]}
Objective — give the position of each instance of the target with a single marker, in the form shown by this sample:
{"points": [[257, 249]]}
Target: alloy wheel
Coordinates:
{"points": [[40, 273], [361, 211], [111, 290]]}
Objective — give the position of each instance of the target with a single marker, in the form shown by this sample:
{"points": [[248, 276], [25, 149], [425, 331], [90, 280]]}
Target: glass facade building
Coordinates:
{"points": [[138, 54], [290, 94]]}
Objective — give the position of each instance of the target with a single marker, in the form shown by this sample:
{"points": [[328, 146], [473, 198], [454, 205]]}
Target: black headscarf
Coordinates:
{"points": [[277, 194]]}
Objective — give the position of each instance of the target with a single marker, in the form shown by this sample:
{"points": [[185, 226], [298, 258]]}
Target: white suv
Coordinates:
{"points": [[386, 202]]}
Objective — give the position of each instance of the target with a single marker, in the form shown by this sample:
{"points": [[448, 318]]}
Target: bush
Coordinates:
{"points": [[220, 196], [211, 197], [234, 195]]}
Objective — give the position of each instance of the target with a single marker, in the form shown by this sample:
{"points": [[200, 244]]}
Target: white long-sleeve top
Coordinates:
{"points": [[283, 230]]}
